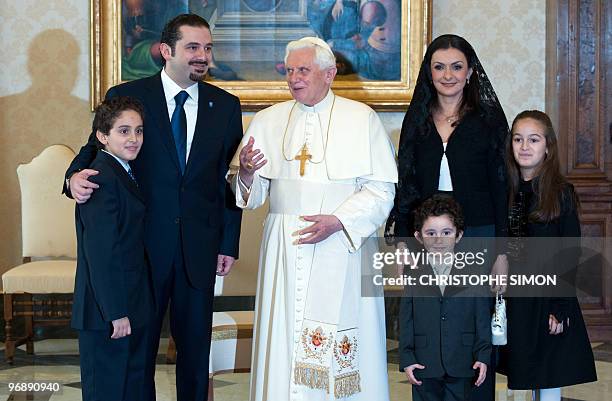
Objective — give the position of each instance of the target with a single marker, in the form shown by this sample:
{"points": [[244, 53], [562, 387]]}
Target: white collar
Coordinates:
{"points": [[322, 106], [171, 88], [123, 163]]}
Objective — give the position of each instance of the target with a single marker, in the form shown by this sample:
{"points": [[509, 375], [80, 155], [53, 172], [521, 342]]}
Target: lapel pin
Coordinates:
{"points": [[210, 105]]}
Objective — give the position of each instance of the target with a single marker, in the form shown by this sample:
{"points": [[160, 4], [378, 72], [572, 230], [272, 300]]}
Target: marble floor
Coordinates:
{"points": [[57, 361]]}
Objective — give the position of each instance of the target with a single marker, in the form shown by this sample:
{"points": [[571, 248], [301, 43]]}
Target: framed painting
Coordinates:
{"points": [[378, 44]]}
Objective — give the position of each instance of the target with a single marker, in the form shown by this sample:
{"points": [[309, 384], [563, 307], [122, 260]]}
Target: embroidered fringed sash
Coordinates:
{"points": [[327, 353]]}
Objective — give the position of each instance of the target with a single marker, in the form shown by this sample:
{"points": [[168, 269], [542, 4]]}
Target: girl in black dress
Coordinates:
{"points": [[548, 346]]}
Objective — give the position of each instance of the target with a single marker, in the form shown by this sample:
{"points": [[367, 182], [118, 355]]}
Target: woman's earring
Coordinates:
{"points": [[467, 81]]}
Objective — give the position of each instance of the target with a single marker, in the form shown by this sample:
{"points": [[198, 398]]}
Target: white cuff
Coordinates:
{"points": [[243, 186]]}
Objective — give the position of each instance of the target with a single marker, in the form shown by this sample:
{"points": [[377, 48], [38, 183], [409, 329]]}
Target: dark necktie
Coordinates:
{"points": [[132, 176], [179, 128]]}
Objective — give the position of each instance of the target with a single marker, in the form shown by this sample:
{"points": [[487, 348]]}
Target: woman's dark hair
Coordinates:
{"points": [[549, 186], [109, 110], [439, 205], [471, 91]]}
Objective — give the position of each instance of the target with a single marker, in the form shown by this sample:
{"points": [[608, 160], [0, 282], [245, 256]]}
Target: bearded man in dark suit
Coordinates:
{"points": [[192, 228]]}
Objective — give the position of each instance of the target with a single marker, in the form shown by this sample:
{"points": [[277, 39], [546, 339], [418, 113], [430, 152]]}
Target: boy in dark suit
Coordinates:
{"points": [[113, 295], [445, 333]]}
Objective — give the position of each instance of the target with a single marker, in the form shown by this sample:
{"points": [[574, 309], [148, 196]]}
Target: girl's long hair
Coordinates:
{"points": [[549, 186]]}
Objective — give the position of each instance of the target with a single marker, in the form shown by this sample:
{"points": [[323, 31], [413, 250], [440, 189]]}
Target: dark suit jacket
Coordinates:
{"points": [[445, 333], [199, 203], [113, 279]]}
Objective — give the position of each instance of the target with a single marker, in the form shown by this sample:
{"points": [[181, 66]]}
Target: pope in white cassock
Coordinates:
{"points": [[328, 167]]}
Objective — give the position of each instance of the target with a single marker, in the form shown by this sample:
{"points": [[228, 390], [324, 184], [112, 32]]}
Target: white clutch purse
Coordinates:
{"points": [[499, 323]]}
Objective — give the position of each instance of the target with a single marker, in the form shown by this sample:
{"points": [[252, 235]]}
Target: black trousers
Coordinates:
{"points": [[112, 370], [190, 325], [486, 391], [443, 389]]}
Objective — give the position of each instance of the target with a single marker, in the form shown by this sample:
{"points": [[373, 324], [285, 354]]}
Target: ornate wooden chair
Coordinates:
{"points": [[48, 249]]}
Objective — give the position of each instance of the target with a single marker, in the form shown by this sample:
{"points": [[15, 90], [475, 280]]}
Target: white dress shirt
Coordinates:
{"points": [[171, 89], [123, 163], [442, 270], [445, 183]]}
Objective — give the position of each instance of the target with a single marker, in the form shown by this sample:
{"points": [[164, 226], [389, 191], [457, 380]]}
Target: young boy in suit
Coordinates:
{"points": [[112, 295], [445, 334]]}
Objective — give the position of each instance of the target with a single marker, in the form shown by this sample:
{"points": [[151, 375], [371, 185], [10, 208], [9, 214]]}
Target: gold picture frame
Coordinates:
{"points": [[106, 59]]}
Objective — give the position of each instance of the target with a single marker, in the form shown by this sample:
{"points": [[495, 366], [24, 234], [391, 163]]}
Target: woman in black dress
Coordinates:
{"points": [[548, 346], [452, 141]]}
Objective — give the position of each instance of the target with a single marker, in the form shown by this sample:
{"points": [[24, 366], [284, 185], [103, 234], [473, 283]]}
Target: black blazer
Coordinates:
{"points": [[197, 204], [445, 333], [533, 358], [113, 279], [475, 153]]}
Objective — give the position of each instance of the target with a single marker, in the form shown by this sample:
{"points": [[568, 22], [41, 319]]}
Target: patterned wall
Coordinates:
{"points": [[21, 21], [44, 80], [509, 37]]}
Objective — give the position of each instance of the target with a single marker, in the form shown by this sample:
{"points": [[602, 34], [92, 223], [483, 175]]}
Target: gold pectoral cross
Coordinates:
{"points": [[303, 156]]}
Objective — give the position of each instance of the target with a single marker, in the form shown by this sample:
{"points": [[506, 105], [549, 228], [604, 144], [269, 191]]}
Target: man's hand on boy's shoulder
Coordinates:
{"points": [[482, 372], [80, 187], [121, 328], [410, 373]]}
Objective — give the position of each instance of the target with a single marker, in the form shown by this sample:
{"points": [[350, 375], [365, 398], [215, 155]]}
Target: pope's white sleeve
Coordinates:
{"points": [[258, 192], [365, 211]]}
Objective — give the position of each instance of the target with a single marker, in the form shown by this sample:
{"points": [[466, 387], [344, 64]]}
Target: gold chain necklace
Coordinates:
{"points": [[448, 119], [451, 119], [304, 147]]}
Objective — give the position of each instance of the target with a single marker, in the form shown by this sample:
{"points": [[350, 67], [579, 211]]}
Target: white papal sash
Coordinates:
{"points": [[326, 356]]}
